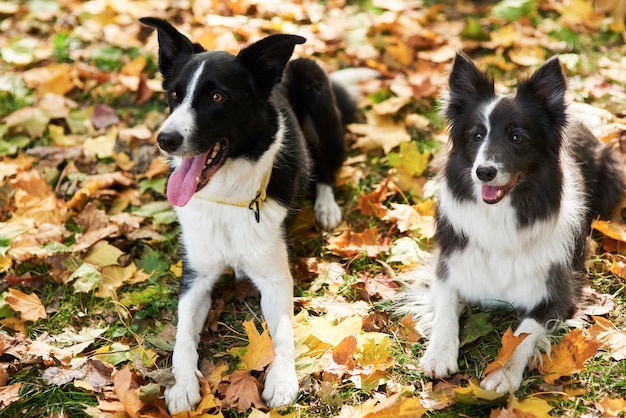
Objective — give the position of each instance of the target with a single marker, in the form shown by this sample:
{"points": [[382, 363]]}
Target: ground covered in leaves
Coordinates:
{"points": [[88, 250]]}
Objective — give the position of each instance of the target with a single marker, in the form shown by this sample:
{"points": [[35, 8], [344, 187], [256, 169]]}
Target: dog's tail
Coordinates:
{"points": [[415, 299], [347, 92]]}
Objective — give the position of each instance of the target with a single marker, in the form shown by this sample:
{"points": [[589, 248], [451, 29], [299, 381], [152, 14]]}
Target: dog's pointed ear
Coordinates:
{"points": [[467, 85], [266, 60], [547, 86], [175, 49], [466, 80]]}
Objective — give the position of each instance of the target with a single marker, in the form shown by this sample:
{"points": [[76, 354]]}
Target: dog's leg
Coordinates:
{"points": [[509, 377], [441, 356], [193, 307], [276, 287], [327, 211]]}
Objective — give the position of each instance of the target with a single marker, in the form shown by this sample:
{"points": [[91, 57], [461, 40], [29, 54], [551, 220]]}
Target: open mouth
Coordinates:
{"points": [[194, 173], [494, 194]]}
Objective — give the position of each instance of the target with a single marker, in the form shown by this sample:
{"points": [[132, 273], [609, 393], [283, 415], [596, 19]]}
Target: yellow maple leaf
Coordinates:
{"points": [[532, 405], [29, 306], [473, 393], [509, 344], [114, 277], [568, 357], [259, 352], [398, 406]]}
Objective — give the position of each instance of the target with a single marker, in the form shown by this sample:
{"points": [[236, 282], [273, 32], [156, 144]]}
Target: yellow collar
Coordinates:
{"points": [[253, 204]]}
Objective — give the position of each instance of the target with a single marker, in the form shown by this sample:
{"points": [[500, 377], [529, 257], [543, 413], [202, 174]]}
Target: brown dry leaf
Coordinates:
{"points": [[241, 390], [509, 344], [127, 389], [259, 352], [351, 244], [373, 202], [96, 226], [28, 305], [610, 407], [568, 357], [9, 394], [611, 338]]}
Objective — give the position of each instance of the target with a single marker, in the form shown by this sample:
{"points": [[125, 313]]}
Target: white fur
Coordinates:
{"points": [[500, 265], [183, 119], [327, 211], [217, 236]]}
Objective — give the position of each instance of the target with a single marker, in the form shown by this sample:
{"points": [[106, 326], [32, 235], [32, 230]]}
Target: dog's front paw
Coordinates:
{"points": [[440, 361], [281, 386], [184, 395], [503, 380], [327, 211]]}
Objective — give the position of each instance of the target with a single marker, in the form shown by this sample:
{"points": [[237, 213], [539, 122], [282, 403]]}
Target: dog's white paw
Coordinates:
{"points": [[281, 386], [440, 361], [184, 395], [327, 211], [503, 380]]}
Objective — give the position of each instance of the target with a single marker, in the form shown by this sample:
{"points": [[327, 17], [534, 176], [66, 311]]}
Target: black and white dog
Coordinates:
{"points": [[520, 185], [246, 134]]}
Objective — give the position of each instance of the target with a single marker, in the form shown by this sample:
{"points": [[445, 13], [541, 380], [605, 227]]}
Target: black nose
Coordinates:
{"points": [[169, 141], [486, 172]]}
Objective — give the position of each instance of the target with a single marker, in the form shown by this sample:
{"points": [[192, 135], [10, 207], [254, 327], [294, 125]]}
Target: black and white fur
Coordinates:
{"points": [[233, 121], [519, 188]]}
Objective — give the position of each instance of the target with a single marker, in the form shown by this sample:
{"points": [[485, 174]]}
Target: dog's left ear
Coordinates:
{"points": [[266, 60], [547, 86]]}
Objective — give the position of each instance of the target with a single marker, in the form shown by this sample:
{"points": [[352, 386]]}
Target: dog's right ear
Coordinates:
{"points": [[466, 80], [175, 49]]}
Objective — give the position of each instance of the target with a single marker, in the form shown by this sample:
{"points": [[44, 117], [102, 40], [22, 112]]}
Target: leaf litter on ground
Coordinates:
{"points": [[87, 242]]}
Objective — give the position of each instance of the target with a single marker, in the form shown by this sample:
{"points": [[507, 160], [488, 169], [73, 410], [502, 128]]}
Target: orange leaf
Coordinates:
{"points": [[29, 306], [350, 244], [610, 229], [509, 344], [127, 390], [344, 352], [568, 357], [611, 407]]}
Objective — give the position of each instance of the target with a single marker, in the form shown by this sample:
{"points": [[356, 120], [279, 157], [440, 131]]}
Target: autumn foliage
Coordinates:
{"points": [[89, 259]]}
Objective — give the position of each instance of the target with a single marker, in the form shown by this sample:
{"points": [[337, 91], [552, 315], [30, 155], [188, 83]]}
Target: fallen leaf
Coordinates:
{"points": [[28, 305], [611, 338], [351, 244], [473, 394], [509, 344], [611, 407], [398, 406], [259, 352], [241, 390], [568, 357], [9, 394]]}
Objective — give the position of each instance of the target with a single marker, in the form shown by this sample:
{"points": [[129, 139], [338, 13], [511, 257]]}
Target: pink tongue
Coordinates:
{"points": [[490, 192], [182, 183]]}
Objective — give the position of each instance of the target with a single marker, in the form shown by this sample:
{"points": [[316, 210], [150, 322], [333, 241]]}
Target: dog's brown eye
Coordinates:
{"points": [[217, 97], [516, 138], [174, 95]]}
